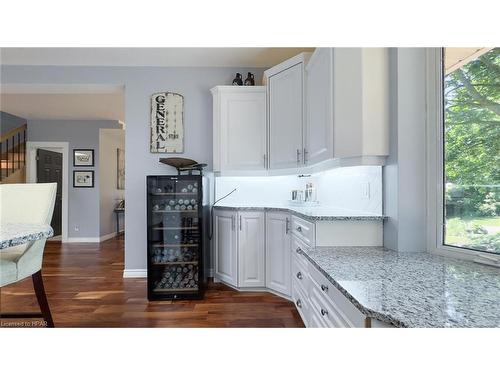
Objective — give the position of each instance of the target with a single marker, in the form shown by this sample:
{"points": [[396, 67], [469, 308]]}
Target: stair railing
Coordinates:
{"points": [[12, 151]]}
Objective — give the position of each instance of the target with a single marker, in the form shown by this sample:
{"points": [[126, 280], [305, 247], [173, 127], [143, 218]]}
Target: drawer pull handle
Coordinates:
{"points": [[324, 288], [299, 229], [298, 250], [324, 312], [299, 275], [299, 303]]}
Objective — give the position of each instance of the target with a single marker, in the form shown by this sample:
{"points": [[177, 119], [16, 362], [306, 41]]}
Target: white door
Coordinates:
{"points": [[251, 261], [319, 107], [286, 118], [243, 131], [278, 252], [226, 249]]}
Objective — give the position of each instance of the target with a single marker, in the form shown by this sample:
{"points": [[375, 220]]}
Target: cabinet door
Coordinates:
{"points": [[319, 107], [278, 252], [243, 131], [226, 265], [251, 261], [286, 118]]}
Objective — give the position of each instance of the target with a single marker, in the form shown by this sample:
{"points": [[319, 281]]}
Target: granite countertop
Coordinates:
{"points": [[314, 213], [13, 234], [413, 289]]}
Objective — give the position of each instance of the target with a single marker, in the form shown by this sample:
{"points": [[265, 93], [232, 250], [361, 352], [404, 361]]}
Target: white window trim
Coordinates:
{"points": [[435, 214]]}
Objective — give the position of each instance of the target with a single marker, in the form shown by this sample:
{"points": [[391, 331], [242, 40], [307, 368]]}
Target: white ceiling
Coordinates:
{"points": [[65, 106], [189, 57]]}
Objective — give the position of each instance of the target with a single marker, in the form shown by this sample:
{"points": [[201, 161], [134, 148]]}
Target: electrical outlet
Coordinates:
{"points": [[365, 190], [77, 229]]}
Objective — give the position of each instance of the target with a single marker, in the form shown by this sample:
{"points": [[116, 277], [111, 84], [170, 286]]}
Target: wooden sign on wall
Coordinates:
{"points": [[167, 123]]}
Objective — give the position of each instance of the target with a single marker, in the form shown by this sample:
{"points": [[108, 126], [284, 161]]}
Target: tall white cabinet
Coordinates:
{"points": [[361, 103], [239, 131], [318, 137], [286, 117], [278, 252]]}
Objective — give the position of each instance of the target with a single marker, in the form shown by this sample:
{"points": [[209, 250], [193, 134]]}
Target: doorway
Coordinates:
{"points": [[49, 169], [62, 148]]}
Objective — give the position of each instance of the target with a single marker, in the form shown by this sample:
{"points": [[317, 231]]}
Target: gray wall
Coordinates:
{"points": [[140, 83], [405, 174], [83, 203], [9, 121], [109, 141]]}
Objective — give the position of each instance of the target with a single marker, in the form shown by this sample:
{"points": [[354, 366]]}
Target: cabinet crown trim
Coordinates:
{"points": [[300, 58], [228, 88]]}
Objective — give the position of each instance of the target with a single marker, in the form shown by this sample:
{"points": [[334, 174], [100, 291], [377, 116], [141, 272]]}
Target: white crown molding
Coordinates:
{"points": [[20, 88]]}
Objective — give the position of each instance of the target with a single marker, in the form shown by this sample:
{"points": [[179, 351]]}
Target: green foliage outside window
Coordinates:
{"points": [[472, 153]]}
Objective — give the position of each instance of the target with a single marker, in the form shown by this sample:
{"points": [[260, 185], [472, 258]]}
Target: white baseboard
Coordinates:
{"points": [[83, 239], [135, 273], [92, 239], [107, 236]]}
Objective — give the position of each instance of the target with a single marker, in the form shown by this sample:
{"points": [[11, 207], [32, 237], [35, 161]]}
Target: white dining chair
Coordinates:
{"points": [[23, 204]]}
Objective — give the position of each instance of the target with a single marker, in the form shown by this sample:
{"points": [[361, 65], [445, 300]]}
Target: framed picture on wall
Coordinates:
{"points": [[83, 179], [83, 157]]}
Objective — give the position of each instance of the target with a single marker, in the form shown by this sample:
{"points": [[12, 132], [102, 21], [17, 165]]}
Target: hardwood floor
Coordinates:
{"points": [[85, 288]]}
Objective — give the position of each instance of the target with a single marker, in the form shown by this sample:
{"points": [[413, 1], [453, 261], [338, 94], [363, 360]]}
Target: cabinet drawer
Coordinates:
{"points": [[303, 230], [299, 273], [301, 302], [325, 311], [347, 313], [297, 247]]}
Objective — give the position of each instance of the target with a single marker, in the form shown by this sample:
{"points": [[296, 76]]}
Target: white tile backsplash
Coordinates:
{"points": [[353, 188]]}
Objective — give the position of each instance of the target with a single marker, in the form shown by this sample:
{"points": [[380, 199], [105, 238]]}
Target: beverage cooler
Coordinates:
{"points": [[175, 237]]}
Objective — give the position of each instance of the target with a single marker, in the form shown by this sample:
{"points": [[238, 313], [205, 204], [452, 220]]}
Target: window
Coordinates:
{"points": [[471, 149]]}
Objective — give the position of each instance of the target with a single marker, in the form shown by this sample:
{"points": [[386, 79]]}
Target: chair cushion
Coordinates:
{"points": [[8, 271]]}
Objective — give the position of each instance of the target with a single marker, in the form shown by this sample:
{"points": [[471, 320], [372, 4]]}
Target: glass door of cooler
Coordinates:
{"points": [[174, 237]]}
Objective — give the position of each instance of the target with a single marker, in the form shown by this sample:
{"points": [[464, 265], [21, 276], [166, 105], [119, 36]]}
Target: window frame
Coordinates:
{"points": [[435, 164]]}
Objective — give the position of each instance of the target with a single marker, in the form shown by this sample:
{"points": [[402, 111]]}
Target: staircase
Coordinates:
{"points": [[13, 156]]}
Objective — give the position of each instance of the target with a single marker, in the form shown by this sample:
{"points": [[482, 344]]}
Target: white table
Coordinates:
{"points": [[13, 234]]}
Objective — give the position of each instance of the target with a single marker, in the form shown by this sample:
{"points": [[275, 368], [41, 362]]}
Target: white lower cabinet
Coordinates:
{"points": [[239, 248], [226, 246], [251, 251], [260, 250], [278, 252]]}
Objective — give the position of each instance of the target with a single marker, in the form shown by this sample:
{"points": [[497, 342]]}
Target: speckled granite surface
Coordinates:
{"points": [[13, 234], [413, 289], [312, 213]]}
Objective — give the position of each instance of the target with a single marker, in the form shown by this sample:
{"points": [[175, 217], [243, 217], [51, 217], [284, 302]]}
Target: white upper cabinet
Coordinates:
{"points": [[278, 252], [361, 104], [239, 133], [285, 84], [318, 111], [251, 251], [226, 246], [319, 107]]}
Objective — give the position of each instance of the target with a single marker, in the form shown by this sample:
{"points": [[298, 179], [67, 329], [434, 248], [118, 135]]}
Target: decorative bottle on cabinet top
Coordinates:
{"points": [[238, 80], [250, 80]]}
